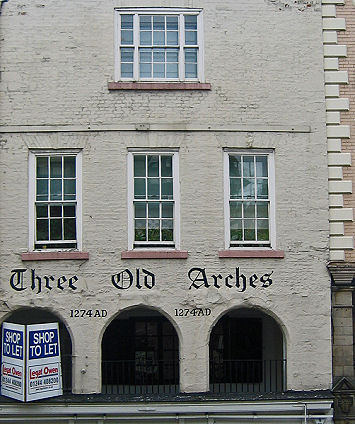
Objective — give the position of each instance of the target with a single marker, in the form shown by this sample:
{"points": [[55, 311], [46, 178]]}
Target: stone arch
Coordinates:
{"points": [[140, 353], [246, 352]]}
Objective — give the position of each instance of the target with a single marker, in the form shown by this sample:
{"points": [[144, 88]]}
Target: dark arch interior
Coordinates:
{"points": [[140, 354], [26, 316], [246, 353]]}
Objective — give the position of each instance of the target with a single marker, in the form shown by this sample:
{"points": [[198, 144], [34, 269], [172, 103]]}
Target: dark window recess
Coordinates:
{"points": [[140, 355], [236, 351]]}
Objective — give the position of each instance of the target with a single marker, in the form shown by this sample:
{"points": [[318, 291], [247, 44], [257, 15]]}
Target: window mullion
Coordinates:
{"points": [[181, 47], [136, 41]]}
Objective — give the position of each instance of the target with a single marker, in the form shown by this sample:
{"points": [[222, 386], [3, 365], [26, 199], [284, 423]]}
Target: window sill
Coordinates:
{"points": [[158, 86], [251, 253], [53, 256], [154, 254]]}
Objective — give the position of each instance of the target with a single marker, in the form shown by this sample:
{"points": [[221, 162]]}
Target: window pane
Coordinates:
{"points": [[158, 38], [42, 211], [146, 38], [235, 169], [127, 21], [262, 210], [127, 55], [56, 211], [153, 166], [69, 167], [140, 230], [262, 188], [153, 188], [42, 229], [126, 37], [145, 55], [153, 229], [191, 38], [249, 229], [55, 229], [235, 188], [154, 209], [69, 189], [145, 70], [139, 188], [145, 22], [167, 230], [172, 38], [172, 23], [56, 190], [236, 209], [249, 209], [172, 55], [236, 229], [261, 166], [158, 70], [172, 70], [69, 211], [56, 166], [42, 190], [42, 167], [190, 22], [139, 166], [140, 210], [159, 22], [167, 188], [190, 70], [263, 229], [167, 210], [166, 166], [126, 70], [69, 229], [158, 55], [248, 166], [191, 55], [248, 188]]}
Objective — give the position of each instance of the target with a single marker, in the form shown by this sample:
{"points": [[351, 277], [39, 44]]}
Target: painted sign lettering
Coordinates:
{"points": [[17, 281], [198, 277], [125, 279]]}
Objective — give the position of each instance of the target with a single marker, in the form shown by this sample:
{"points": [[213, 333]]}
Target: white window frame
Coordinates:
{"points": [[176, 198], [271, 188], [159, 11], [32, 196]]}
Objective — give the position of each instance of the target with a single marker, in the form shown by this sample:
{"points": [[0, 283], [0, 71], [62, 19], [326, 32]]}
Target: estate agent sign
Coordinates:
{"points": [[30, 367]]}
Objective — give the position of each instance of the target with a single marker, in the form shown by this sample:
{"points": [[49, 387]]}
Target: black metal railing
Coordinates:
{"points": [[247, 376], [67, 372], [140, 377]]}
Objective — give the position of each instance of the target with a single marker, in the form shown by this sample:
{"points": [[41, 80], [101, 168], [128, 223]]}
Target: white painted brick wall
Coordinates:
{"points": [[265, 66]]}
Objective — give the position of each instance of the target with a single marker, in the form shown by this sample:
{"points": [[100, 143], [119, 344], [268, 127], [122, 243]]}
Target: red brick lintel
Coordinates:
{"points": [[251, 253], [158, 86], [53, 256], [154, 254]]}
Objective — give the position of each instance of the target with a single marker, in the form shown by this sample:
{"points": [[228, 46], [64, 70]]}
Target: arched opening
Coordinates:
{"points": [[246, 353], [27, 316], [140, 354]]}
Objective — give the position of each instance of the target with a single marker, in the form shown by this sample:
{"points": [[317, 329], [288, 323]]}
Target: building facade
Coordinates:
{"points": [[164, 199]]}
